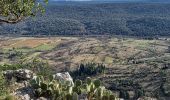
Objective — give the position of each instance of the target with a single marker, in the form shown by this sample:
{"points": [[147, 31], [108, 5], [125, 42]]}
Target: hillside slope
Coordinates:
{"points": [[75, 18]]}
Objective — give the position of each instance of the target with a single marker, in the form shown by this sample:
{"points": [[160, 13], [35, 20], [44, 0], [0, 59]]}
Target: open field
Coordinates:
{"points": [[127, 59]]}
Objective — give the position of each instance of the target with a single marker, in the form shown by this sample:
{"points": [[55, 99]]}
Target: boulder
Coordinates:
{"points": [[147, 98], [8, 74], [64, 77], [42, 98], [82, 96], [23, 91], [23, 97], [20, 74], [23, 74]]}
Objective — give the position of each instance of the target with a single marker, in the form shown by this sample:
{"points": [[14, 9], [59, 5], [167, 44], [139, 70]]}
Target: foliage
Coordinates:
{"points": [[38, 66], [3, 87], [98, 19], [14, 11], [124, 86], [164, 73], [9, 97], [57, 91], [88, 69], [44, 47], [14, 54], [10, 67], [124, 94]]}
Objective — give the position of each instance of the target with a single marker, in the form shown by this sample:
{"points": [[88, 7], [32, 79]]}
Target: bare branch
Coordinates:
{"points": [[11, 21]]}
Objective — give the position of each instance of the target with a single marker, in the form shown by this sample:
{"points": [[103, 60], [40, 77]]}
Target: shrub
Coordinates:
{"points": [[88, 69], [55, 90], [3, 87], [124, 94]]}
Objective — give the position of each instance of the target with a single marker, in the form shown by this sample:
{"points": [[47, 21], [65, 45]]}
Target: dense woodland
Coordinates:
{"points": [[134, 19]]}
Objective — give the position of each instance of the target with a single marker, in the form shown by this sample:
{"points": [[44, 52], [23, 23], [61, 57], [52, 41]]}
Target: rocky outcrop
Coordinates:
{"points": [[82, 96], [147, 98], [25, 92], [19, 75], [22, 90], [64, 77]]}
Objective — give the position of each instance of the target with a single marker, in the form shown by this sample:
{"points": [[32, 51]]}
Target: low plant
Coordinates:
{"points": [[3, 87], [89, 69], [54, 90], [9, 97]]}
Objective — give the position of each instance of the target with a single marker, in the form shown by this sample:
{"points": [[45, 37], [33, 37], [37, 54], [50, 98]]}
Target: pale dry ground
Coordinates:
{"points": [[117, 54], [27, 42], [109, 51]]}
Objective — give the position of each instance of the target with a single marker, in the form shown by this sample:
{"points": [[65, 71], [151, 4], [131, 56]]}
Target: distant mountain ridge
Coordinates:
{"points": [[96, 18], [119, 0]]}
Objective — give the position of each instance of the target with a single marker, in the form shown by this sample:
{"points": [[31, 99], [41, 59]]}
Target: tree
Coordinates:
{"points": [[14, 11], [168, 49]]}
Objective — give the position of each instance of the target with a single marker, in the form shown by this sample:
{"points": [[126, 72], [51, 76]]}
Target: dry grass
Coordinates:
{"points": [[30, 43], [114, 53], [84, 58], [27, 42]]}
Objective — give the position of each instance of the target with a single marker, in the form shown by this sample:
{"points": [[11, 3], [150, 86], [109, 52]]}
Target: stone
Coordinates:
{"points": [[24, 74], [19, 75], [23, 92], [42, 98], [146, 98], [64, 77], [83, 96], [24, 97], [8, 74]]}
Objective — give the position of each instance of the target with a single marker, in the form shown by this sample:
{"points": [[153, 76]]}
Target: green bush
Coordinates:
{"points": [[3, 87], [10, 67], [88, 69], [124, 94], [39, 67]]}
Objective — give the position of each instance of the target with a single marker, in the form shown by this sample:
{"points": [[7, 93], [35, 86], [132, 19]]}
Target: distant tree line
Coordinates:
{"points": [[152, 19]]}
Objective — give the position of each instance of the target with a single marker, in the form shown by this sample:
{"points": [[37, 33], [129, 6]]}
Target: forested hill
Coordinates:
{"points": [[135, 19]]}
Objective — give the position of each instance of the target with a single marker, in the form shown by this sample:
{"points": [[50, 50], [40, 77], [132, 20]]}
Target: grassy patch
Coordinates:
{"points": [[108, 60], [97, 49], [44, 47]]}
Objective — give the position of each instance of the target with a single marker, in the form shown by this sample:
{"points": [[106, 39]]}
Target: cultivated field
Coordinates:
{"points": [[136, 62]]}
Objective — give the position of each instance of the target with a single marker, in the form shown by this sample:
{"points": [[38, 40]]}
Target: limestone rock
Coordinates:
{"points": [[23, 91], [83, 96], [146, 98], [42, 98], [20, 74], [24, 97], [64, 77]]}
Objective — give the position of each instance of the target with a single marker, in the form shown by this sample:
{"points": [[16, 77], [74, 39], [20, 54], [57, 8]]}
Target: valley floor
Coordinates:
{"points": [[134, 63]]}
